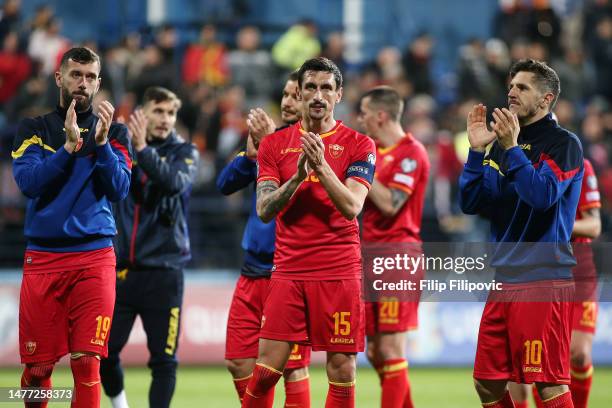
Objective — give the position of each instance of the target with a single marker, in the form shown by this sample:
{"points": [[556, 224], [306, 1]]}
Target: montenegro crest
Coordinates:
{"points": [[30, 347], [335, 150]]}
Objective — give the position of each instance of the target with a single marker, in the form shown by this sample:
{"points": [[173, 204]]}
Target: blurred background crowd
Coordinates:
{"points": [[224, 57]]}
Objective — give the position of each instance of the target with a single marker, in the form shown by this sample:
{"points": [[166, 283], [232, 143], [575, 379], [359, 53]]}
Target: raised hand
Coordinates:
{"points": [[73, 132], [260, 125], [314, 150], [302, 167], [105, 115], [506, 127], [137, 127], [478, 134]]}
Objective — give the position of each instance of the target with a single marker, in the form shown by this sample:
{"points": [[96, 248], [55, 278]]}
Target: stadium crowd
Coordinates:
{"points": [[219, 81]]}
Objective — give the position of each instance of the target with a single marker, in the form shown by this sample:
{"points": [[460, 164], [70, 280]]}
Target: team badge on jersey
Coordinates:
{"points": [[372, 159], [408, 165], [335, 150], [30, 347]]}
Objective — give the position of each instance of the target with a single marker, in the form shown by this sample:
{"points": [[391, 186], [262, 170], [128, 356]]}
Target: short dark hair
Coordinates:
{"points": [[82, 55], [159, 94], [386, 99], [546, 78], [320, 64], [293, 76]]}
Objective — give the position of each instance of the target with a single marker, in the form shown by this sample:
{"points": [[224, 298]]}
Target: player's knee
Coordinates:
{"points": [[388, 351], [295, 374], [341, 368], [35, 374], [240, 368], [163, 367], [489, 391], [580, 355]]}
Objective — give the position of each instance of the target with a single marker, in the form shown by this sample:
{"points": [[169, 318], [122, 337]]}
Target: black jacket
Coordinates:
{"points": [[152, 230]]}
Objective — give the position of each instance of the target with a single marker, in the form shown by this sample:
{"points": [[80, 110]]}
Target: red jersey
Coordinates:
{"points": [[313, 240], [589, 195], [405, 167]]}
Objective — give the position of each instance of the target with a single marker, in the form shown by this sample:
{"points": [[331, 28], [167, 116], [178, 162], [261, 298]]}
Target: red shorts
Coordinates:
{"points": [[66, 304], [244, 323], [329, 315], [585, 316], [388, 315], [526, 342]]}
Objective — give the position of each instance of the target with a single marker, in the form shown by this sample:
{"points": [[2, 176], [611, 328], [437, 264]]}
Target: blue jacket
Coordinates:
{"points": [[69, 195], [152, 221], [258, 239], [530, 193]]}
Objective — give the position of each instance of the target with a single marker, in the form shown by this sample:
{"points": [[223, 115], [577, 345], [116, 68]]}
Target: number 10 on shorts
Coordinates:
{"points": [[342, 323]]}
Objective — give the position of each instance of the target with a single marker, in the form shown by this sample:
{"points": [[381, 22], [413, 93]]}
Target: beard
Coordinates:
{"points": [[81, 104]]}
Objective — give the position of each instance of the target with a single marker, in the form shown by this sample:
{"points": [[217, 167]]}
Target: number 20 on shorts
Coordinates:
{"points": [[342, 323]]}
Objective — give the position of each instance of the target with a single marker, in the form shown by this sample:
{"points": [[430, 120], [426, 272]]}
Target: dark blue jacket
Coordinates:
{"points": [[258, 239], [69, 195], [530, 193], [152, 230]]}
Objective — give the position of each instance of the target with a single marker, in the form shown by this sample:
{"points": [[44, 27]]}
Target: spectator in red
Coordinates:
{"points": [[14, 67], [206, 61]]}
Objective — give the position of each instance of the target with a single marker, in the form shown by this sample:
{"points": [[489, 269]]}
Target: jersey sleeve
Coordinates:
{"points": [[407, 170], [114, 163], [543, 185], [589, 195], [363, 162], [267, 166], [36, 166], [236, 175]]}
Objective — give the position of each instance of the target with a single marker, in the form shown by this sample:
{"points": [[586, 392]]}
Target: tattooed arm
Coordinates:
{"points": [[271, 198], [388, 200]]}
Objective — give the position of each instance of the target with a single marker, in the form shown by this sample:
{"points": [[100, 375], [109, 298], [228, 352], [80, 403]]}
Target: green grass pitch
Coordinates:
{"points": [[211, 387]]}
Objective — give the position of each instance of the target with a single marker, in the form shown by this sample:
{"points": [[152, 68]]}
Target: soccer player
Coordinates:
{"points": [[313, 177], [586, 228], [392, 214], [152, 246], [244, 320], [528, 184], [70, 163]]}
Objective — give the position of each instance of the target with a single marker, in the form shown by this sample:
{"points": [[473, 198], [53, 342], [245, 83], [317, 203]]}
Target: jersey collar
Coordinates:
{"points": [[323, 135]]}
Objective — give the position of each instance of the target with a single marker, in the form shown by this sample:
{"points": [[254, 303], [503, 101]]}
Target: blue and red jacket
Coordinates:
{"points": [[530, 193], [69, 195]]}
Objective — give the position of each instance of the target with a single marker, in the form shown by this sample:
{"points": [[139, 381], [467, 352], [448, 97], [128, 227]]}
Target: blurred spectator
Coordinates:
{"points": [[602, 57], [9, 18], [14, 67], [155, 72], [511, 21], [545, 26], [296, 45], [576, 76], [206, 61], [565, 112], [251, 67], [417, 63], [334, 49], [389, 65], [48, 46]]}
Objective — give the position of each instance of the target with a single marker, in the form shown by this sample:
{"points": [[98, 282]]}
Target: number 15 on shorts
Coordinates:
{"points": [[342, 323]]}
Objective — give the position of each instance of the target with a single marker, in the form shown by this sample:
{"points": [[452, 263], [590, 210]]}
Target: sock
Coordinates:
{"points": [[260, 390], [536, 397], [119, 400], [582, 377], [560, 401], [340, 395], [86, 374], [505, 402], [241, 385], [524, 404], [297, 393], [37, 376], [394, 383]]}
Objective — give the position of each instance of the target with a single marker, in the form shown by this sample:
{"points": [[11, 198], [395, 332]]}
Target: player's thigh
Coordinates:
{"points": [[43, 318], [336, 317], [284, 317], [91, 302], [244, 318]]}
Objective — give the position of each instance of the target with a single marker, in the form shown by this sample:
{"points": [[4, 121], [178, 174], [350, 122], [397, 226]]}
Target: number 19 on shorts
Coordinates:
{"points": [[103, 324]]}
